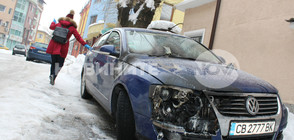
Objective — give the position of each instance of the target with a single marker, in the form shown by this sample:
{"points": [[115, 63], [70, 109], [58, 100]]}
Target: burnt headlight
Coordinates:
{"points": [[182, 110]]}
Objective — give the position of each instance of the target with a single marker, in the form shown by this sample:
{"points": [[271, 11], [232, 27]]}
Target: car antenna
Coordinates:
{"points": [[170, 28]]}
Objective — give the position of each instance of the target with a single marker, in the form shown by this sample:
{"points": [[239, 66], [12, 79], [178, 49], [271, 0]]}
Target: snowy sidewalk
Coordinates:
{"points": [[32, 109]]}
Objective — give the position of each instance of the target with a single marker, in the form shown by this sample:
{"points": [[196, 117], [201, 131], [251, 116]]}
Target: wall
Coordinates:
{"points": [[261, 40], [30, 23], [84, 17], [177, 17], [111, 13], [46, 37], [81, 29], [96, 8], [200, 18]]}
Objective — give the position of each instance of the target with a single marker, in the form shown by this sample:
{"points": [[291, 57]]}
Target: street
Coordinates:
{"points": [[32, 109]]}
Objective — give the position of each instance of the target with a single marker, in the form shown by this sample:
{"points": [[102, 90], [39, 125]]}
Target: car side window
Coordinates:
{"points": [[114, 39], [100, 42]]}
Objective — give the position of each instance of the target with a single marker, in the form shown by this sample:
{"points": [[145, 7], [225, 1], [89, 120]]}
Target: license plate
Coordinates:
{"points": [[42, 52], [251, 128]]}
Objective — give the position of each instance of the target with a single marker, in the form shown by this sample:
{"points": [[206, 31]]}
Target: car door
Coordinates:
{"points": [[107, 65], [94, 59], [100, 66]]}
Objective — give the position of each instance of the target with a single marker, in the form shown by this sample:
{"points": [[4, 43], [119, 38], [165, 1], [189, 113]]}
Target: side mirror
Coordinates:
{"points": [[109, 49], [222, 59]]}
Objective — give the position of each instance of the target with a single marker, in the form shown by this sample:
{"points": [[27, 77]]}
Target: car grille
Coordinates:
{"points": [[236, 105]]}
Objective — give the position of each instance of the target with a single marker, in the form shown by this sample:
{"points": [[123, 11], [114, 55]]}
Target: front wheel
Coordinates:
{"points": [[13, 53], [125, 118], [84, 92]]}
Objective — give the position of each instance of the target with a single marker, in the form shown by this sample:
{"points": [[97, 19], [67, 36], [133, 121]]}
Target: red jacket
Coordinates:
{"points": [[62, 49]]}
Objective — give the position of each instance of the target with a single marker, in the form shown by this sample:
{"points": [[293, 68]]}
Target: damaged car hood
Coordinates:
{"points": [[199, 75]]}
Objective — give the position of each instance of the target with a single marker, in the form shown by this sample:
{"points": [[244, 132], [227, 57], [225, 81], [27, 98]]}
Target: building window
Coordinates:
{"points": [[15, 32], [166, 12], [93, 19], [10, 10], [0, 22], [18, 17], [21, 4], [197, 35], [7, 23], [40, 36], [2, 8]]}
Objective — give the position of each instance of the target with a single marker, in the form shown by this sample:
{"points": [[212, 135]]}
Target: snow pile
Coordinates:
{"points": [[31, 108], [2, 51], [164, 25]]}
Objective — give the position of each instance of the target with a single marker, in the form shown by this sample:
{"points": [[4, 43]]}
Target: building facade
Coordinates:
{"points": [[32, 21], [43, 35], [96, 13], [17, 26], [75, 47], [6, 14], [255, 32]]}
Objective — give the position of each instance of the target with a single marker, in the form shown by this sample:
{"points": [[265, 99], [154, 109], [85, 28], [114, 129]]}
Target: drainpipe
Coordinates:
{"points": [[218, 4]]}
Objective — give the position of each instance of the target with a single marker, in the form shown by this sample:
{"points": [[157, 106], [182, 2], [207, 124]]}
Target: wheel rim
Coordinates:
{"points": [[83, 83]]}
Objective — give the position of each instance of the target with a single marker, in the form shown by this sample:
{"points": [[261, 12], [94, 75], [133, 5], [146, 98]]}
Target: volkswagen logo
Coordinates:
{"points": [[252, 105]]}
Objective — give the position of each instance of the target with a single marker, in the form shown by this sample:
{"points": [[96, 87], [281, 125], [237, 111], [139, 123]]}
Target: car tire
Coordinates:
{"points": [[83, 90], [13, 53], [125, 118]]}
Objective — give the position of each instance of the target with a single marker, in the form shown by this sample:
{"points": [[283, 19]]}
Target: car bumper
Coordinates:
{"points": [[39, 56], [19, 52]]}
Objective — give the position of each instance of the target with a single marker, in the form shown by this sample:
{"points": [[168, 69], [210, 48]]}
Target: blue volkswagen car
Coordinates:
{"points": [[37, 51], [160, 85]]}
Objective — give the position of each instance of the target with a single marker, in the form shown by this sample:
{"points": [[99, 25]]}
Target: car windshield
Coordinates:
{"points": [[41, 45], [159, 44]]}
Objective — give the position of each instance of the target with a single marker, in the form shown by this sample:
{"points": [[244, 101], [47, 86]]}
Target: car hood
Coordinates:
{"points": [[200, 75]]}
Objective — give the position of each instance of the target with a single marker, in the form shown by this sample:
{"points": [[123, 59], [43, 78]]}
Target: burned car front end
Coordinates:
{"points": [[180, 113]]}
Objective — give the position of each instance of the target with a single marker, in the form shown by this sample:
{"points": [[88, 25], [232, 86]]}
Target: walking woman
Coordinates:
{"points": [[58, 50]]}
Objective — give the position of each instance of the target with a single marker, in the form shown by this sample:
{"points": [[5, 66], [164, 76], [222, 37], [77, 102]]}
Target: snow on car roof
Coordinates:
{"points": [[165, 26]]}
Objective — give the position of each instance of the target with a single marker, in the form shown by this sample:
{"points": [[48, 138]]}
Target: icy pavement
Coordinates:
{"points": [[32, 109]]}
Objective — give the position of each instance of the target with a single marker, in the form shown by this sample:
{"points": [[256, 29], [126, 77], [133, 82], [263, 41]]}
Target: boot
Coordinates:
{"points": [[52, 79]]}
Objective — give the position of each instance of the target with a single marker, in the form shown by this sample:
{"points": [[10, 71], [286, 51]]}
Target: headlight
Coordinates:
{"points": [[182, 110]]}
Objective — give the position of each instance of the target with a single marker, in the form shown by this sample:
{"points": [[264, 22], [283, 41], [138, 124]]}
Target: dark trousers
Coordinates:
{"points": [[56, 64]]}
